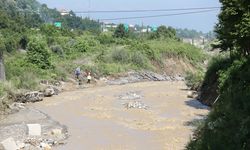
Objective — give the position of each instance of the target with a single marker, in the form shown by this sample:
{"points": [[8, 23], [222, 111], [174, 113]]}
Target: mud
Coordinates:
{"points": [[97, 119]]}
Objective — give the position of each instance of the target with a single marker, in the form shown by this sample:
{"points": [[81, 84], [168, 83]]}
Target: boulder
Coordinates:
{"points": [[45, 146], [56, 132], [17, 106], [191, 94], [33, 96], [48, 92]]}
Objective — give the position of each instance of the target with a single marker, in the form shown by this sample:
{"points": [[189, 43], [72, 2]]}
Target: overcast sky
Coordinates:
{"points": [[202, 22]]}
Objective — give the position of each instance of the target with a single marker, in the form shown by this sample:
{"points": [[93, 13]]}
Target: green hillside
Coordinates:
{"points": [[33, 49]]}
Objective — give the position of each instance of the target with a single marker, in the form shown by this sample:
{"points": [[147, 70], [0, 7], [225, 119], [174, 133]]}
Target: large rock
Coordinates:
{"points": [[45, 146], [34, 96], [17, 106], [9, 144], [135, 104], [56, 132], [49, 92]]}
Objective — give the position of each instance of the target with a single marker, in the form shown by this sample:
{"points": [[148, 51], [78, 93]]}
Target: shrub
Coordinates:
{"points": [[194, 80], [106, 38], [38, 54], [120, 55], [57, 49], [138, 59], [22, 74], [173, 48], [112, 68], [120, 31], [10, 45], [216, 64], [144, 48], [27, 81], [81, 46]]}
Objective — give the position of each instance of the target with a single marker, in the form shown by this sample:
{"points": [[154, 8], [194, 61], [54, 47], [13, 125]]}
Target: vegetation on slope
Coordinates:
{"points": [[34, 49], [228, 124]]}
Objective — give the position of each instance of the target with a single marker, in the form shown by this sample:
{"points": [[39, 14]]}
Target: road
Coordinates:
{"points": [[97, 119]]}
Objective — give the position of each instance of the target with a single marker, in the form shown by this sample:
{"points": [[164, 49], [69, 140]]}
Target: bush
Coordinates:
{"points": [[194, 80], [106, 38], [173, 48], [10, 45], [81, 46], [144, 48], [216, 64], [120, 55], [138, 59], [38, 54], [23, 74], [27, 81], [112, 68], [57, 49], [120, 31]]}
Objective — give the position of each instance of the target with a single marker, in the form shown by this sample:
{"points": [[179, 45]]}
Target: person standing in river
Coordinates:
{"points": [[77, 72], [88, 77]]}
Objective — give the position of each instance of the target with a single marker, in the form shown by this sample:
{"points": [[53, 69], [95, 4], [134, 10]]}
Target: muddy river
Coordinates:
{"points": [[99, 118]]}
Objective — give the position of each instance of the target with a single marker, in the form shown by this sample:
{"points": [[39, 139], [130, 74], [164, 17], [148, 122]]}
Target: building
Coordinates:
{"points": [[63, 12]]}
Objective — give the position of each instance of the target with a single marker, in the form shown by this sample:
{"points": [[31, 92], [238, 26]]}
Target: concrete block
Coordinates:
{"points": [[34, 129], [9, 144]]}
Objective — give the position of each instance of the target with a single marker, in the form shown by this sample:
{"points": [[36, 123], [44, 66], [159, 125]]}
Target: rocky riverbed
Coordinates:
{"points": [[30, 129], [159, 117], [123, 115]]}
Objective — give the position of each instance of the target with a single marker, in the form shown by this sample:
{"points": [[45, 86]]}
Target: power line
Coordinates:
{"points": [[155, 16], [145, 10]]}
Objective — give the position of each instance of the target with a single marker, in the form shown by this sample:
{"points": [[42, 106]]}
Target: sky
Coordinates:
{"points": [[201, 22]]}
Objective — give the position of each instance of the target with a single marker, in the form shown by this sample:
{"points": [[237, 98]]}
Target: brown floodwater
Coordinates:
{"points": [[97, 119]]}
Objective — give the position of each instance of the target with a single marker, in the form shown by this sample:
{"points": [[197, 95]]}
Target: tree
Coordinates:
{"points": [[164, 32], [38, 54], [233, 29], [120, 31], [4, 20]]}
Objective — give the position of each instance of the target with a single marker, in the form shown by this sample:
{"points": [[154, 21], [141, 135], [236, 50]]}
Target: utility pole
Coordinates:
{"points": [[142, 26], [89, 9]]}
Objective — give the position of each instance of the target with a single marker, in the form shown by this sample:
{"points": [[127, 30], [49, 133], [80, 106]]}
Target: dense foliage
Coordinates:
{"points": [[233, 28], [228, 124], [164, 32], [120, 31], [38, 54]]}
